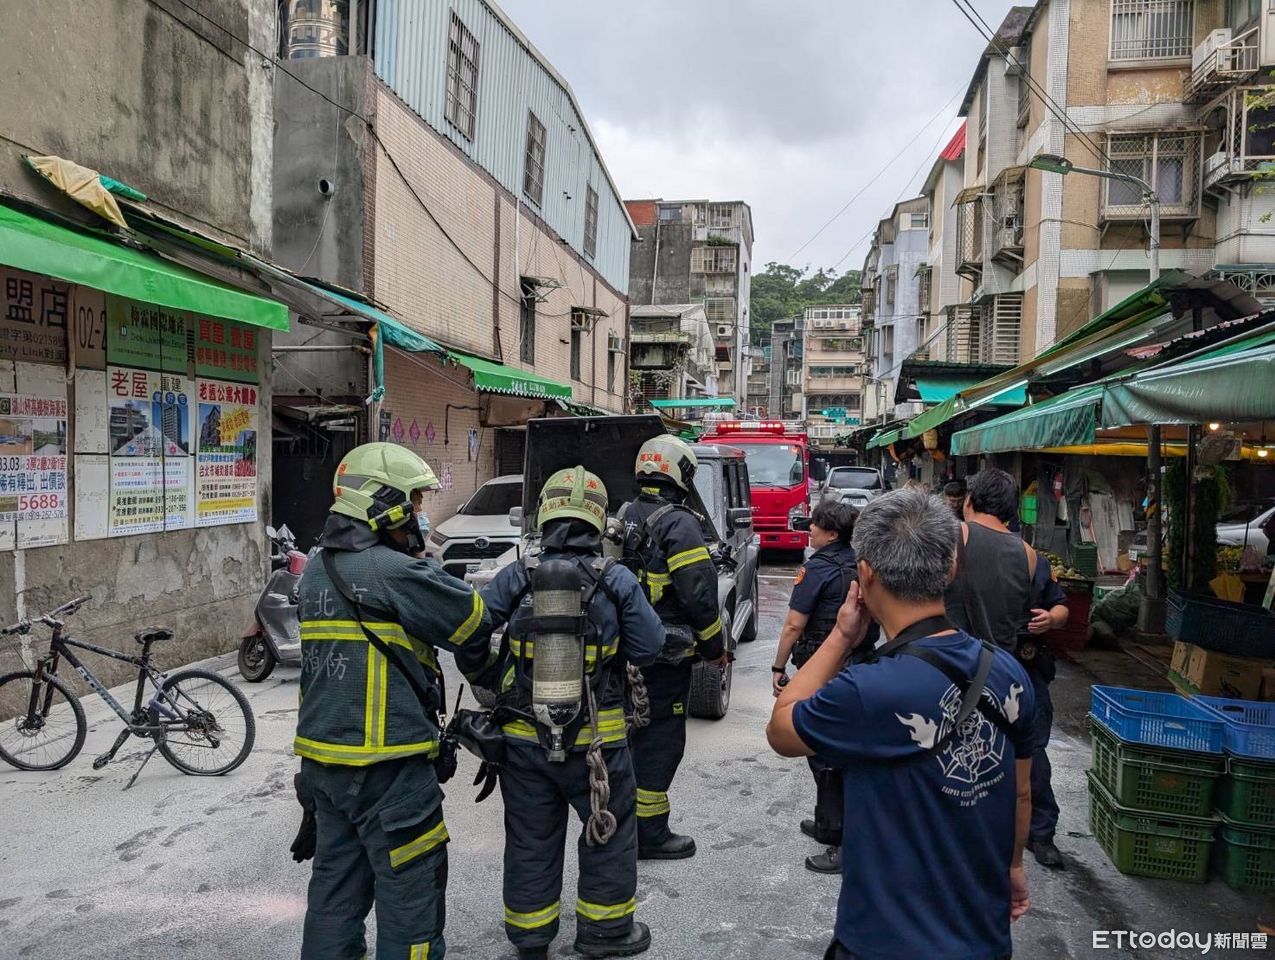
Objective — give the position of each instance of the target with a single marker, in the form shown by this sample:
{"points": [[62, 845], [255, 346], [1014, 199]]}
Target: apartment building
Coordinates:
{"points": [[892, 319], [433, 162], [758, 390], [833, 371], [1169, 91], [939, 297], [699, 251], [671, 353], [786, 352]]}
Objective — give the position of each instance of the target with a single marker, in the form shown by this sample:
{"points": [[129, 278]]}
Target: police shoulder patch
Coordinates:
{"points": [[801, 575]]}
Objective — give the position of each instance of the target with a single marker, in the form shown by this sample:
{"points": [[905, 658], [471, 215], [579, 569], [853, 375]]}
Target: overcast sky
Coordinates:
{"points": [[790, 105]]}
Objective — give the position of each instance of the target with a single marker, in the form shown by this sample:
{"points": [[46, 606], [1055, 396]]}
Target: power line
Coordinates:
{"points": [[880, 173]]}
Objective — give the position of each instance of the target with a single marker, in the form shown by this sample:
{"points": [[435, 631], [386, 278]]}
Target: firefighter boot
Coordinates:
{"points": [[636, 940]]}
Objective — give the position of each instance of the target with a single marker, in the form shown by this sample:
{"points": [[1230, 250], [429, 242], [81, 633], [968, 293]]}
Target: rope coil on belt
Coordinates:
{"points": [[639, 697], [602, 823]]}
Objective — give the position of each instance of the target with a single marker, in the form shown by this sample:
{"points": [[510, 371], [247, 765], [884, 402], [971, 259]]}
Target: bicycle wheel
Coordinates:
{"points": [[211, 728], [49, 731]]}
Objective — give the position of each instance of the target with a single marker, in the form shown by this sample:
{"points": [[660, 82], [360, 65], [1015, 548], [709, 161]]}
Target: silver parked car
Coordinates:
{"points": [[480, 529]]}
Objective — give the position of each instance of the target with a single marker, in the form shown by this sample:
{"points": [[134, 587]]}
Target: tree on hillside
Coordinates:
{"points": [[781, 291]]}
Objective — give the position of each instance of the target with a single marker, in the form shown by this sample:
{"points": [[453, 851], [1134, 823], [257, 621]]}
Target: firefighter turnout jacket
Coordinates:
{"points": [[356, 707], [664, 544], [621, 627]]}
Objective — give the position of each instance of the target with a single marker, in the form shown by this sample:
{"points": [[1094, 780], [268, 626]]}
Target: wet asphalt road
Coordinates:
{"points": [[180, 867]]}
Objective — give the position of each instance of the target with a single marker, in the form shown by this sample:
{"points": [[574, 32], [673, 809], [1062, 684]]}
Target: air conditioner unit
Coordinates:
{"points": [[1214, 39], [723, 330]]}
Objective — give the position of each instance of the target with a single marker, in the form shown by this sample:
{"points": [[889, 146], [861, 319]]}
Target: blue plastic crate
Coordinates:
{"points": [[1250, 726], [1157, 719]]}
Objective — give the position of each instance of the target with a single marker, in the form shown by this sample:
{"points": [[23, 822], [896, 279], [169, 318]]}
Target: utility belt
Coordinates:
{"points": [[812, 639]]}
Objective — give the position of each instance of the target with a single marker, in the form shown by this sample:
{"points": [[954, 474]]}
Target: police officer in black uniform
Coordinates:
{"points": [[818, 593], [574, 619], [665, 547]]}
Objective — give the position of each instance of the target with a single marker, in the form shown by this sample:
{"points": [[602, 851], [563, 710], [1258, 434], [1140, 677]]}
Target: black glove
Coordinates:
{"points": [[303, 846]]}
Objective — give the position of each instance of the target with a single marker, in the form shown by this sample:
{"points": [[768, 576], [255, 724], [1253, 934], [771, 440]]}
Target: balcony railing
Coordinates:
{"points": [[1227, 65]]}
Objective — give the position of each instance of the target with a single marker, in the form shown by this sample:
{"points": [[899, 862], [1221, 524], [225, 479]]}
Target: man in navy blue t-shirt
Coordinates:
{"points": [[937, 792]]}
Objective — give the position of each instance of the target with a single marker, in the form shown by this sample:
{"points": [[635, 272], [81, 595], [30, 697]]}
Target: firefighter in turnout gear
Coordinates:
{"points": [[573, 621], [373, 617], [664, 545]]}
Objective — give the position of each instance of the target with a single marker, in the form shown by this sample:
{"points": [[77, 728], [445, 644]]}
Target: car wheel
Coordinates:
{"points": [[750, 629], [710, 685]]}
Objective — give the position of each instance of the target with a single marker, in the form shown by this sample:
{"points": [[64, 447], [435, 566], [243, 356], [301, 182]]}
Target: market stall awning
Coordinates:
{"points": [[938, 389], [884, 439], [1066, 420], [40, 246], [493, 377], [1225, 385], [727, 403]]}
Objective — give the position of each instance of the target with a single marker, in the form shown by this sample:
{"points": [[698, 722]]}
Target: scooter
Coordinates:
{"points": [[275, 636]]}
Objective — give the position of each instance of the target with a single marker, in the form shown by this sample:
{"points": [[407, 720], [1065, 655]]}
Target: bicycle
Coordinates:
{"points": [[190, 714]]}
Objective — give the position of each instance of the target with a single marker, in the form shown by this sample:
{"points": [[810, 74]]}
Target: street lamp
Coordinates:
{"points": [[1151, 611], [1053, 163]]}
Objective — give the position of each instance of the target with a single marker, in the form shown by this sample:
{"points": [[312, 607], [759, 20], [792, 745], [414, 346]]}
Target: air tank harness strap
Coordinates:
{"points": [[602, 823]]}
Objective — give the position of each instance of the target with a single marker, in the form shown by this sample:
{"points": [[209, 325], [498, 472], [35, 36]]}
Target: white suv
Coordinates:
{"points": [[480, 530]]}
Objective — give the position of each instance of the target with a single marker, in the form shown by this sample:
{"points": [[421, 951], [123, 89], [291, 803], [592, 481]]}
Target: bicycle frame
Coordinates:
{"points": [[61, 645]]}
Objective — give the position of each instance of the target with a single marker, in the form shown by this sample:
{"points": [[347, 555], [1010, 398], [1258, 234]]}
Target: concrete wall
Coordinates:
{"points": [[150, 93], [672, 277], [156, 96]]}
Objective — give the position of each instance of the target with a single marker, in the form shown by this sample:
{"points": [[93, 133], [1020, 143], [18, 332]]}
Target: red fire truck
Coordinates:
{"points": [[778, 457]]}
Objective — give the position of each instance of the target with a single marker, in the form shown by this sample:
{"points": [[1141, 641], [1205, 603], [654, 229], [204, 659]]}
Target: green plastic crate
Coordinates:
{"points": [[1155, 781], [1148, 844], [1246, 795], [1027, 507], [1246, 858], [1084, 558]]}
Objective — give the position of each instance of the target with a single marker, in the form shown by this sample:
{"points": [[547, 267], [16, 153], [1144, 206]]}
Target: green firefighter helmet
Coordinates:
{"points": [[669, 457], [573, 494], [374, 484]]}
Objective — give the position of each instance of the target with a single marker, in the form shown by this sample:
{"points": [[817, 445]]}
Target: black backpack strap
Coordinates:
{"points": [[430, 700], [971, 690]]}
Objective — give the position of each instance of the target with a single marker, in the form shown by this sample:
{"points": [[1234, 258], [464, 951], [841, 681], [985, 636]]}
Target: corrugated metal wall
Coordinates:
{"points": [[411, 57]]}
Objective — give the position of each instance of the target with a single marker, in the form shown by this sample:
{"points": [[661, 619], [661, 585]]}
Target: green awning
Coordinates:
{"points": [[30, 243], [493, 377], [938, 389], [884, 439], [1062, 421], [395, 331], [688, 402], [1225, 386]]}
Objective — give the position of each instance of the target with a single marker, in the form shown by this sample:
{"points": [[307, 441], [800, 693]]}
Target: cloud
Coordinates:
{"points": [[790, 105]]}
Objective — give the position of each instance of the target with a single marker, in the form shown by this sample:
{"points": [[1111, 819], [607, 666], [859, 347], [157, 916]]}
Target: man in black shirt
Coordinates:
{"points": [[1003, 591]]}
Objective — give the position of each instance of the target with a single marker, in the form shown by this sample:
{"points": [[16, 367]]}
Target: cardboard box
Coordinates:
{"points": [[1216, 674]]}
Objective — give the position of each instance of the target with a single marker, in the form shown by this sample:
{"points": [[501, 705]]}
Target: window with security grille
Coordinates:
{"points": [[533, 176], [578, 323], [1024, 59], [1002, 330], [891, 285], [590, 222], [1169, 162], [1152, 29], [720, 309], [924, 282], [714, 259], [527, 323], [462, 78], [720, 215]]}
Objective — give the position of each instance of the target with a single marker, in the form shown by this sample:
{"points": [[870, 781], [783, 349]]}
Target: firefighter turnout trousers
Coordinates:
{"points": [[658, 747], [539, 796], [381, 838]]}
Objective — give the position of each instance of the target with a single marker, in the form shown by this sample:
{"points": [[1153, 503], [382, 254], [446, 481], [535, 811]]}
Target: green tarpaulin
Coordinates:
{"points": [[1062, 421], [493, 377], [29, 243], [884, 439], [1226, 386], [688, 402], [938, 389]]}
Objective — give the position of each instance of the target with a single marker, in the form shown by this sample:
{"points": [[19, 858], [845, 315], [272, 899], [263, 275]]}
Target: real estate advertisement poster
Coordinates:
{"points": [[136, 502], [149, 413], [145, 335], [33, 439], [226, 459]]}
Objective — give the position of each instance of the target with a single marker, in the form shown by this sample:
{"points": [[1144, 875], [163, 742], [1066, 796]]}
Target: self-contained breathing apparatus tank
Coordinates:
{"points": [[557, 677]]}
